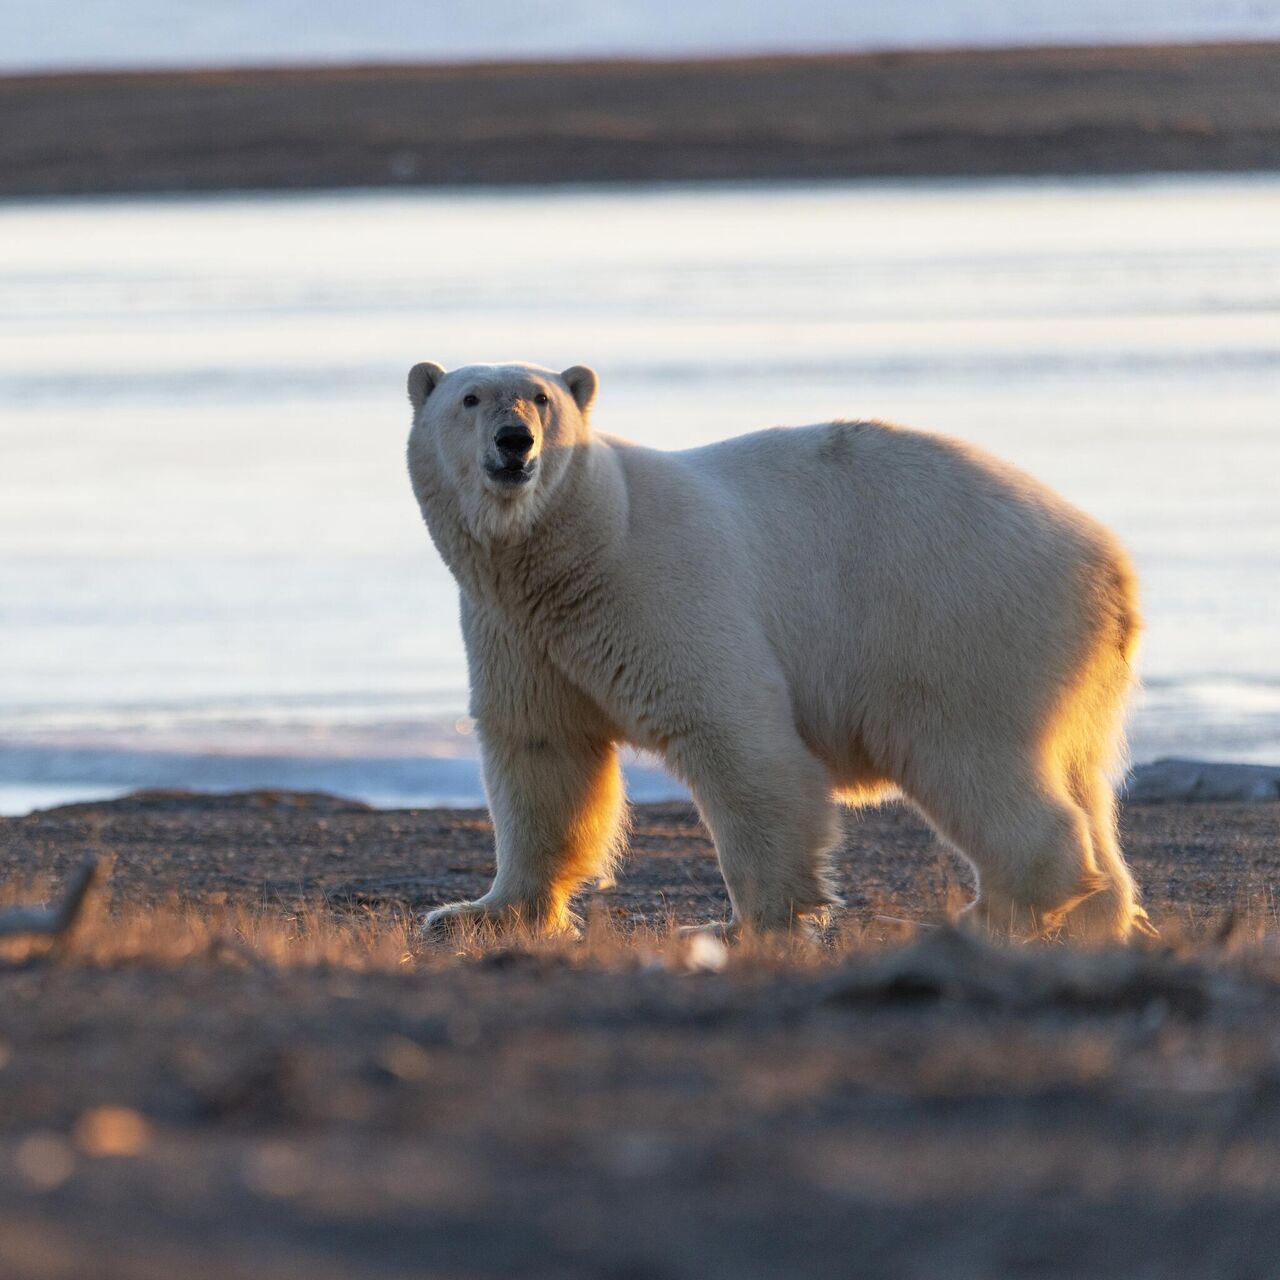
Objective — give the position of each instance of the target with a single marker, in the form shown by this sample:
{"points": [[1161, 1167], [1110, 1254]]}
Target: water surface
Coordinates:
{"points": [[212, 571]]}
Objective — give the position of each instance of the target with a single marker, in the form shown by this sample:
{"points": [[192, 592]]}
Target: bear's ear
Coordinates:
{"points": [[423, 380], [582, 383]]}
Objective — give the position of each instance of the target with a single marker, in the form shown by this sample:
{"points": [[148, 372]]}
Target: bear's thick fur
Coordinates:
{"points": [[789, 618]]}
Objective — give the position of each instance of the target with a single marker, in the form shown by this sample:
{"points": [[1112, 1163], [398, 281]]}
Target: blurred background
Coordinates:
{"points": [[228, 229]]}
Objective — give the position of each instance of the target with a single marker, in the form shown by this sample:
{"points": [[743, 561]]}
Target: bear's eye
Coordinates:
{"points": [[541, 398], [470, 401]]}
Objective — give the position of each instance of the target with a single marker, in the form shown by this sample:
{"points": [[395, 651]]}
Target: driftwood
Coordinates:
{"points": [[52, 921]]}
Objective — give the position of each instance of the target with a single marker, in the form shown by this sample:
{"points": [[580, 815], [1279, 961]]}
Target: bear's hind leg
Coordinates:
{"points": [[1028, 841], [1112, 914]]}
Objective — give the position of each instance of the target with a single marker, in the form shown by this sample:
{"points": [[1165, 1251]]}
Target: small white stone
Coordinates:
{"points": [[705, 954]]}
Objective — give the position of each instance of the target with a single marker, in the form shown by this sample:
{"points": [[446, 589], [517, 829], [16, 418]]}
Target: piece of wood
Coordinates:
{"points": [[55, 920]]}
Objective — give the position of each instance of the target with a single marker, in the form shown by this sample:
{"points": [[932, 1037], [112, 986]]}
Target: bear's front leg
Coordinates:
{"points": [[558, 818], [552, 779], [767, 802]]}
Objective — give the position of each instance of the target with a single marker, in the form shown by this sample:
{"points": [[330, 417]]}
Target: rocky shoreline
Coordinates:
{"points": [[1197, 836], [1175, 780]]}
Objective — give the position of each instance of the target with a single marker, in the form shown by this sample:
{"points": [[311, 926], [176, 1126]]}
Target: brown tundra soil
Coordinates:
{"points": [[241, 1064]]}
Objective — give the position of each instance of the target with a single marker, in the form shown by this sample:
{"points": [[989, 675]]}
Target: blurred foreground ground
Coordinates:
{"points": [[1213, 107], [241, 1065]]}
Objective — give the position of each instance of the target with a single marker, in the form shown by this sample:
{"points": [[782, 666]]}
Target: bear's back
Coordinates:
{"points": [[866, 543]]}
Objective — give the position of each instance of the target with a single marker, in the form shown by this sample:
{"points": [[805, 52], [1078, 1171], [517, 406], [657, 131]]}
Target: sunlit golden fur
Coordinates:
{"points": [[789, 617]]}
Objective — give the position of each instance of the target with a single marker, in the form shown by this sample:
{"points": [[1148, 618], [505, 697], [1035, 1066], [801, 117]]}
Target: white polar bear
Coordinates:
{"points": [[789, 618]]}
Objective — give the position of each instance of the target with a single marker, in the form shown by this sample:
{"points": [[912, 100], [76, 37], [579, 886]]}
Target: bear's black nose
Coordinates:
{"points": [[514, 441]]}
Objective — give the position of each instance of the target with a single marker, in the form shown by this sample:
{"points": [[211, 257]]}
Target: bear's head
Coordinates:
{"points": [[494, 441]]}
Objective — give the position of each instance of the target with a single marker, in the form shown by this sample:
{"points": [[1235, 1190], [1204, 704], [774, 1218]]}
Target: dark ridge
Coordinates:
{"points": [[1023, 111]]}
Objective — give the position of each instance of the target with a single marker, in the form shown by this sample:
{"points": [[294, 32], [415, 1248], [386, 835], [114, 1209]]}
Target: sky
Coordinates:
{"points": [[43, 35]]}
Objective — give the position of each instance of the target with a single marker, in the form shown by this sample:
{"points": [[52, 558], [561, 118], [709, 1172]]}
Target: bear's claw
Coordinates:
{"points": [[452, 922]]}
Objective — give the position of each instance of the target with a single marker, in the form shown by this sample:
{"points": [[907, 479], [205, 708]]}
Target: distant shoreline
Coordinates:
{"points": [[437, 782], [1168, 108]]}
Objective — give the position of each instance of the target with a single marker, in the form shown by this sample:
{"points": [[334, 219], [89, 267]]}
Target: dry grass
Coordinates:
{"points": [[111, 932]]}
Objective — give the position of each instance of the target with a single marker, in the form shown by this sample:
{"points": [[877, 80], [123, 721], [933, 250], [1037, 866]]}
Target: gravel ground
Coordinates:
{"points": [[898, 1105]]}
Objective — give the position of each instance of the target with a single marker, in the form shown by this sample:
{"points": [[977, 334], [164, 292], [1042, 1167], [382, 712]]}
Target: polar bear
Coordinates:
{"points": [[790, 618]]}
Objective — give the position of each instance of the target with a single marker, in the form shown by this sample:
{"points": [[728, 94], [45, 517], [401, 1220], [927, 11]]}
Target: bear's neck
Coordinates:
{"points": [[554, 564]]}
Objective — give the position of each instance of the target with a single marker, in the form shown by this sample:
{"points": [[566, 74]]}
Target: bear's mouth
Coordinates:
{"points": [[512, 474]]}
